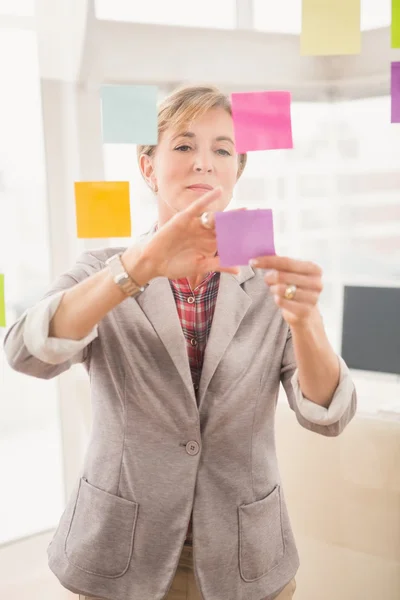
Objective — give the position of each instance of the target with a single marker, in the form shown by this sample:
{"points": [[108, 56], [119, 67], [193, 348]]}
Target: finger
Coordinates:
{"points": [[298, 311], [214, 264], [197, 208], [283, 263], [308, 282], [211, 216], [211, 220], [301, 296]]}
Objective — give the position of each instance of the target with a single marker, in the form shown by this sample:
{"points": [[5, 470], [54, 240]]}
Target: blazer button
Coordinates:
{"points": [[192, 448]]}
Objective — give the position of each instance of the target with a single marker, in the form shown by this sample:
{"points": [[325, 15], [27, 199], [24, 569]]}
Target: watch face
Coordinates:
{"points": [[122, 278]]}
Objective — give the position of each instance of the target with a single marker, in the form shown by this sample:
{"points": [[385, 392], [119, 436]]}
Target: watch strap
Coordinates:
{"points": [[122, 278]]}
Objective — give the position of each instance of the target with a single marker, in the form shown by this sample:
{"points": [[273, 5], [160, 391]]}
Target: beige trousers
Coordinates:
{"points": [[184, 584]]}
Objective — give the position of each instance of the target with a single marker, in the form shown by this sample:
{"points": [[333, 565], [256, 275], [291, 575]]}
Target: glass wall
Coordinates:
{"points": [[335, 196], [20, 8], [285, 16], [30, 440], [209, 13], [335, 201]]}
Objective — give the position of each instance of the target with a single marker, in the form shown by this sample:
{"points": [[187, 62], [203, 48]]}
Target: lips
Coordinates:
{"points": [[200, 186]]}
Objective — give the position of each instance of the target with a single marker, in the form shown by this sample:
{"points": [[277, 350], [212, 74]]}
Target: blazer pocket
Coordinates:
{"points": [[261, 543], [101, 532]]}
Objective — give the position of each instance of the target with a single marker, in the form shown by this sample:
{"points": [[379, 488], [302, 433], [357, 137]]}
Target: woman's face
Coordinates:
{"points": [[188, 163]]}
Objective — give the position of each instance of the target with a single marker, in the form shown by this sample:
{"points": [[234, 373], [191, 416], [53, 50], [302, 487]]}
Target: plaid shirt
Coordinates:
{"points": [[195, 310]]}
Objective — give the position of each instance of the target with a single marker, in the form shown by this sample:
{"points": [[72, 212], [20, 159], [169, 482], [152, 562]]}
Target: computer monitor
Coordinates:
{"points": [[371, 328]]}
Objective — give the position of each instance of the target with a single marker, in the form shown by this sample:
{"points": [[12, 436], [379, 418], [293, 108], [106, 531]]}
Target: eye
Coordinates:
{"points": [[183, 148], [224, 152]]}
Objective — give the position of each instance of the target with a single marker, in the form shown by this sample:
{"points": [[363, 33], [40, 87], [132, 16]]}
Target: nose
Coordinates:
{"points": [[203, 163]]}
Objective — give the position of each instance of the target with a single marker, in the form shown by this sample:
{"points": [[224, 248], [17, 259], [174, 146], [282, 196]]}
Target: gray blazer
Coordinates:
{"points": [[154, 455]]}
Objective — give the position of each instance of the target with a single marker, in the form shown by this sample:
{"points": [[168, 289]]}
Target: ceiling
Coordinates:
{"points": [[75, 45]]}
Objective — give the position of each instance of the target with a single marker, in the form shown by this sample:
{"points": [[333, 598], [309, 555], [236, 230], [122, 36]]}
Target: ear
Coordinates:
{"points": [[146, 165], [242, 159]]}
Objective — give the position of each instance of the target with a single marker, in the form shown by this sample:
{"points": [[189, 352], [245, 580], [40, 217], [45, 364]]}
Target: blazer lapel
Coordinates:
{"points": [[158, 303], [231, 307]]}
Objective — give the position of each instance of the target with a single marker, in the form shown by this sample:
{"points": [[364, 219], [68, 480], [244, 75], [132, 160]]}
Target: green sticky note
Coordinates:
{"points": [[2, 303], [129, 114], [395, 23]]}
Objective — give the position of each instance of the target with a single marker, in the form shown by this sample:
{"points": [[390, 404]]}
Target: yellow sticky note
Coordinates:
{"points": [[102, 209], [330, 27], [2, 303]]}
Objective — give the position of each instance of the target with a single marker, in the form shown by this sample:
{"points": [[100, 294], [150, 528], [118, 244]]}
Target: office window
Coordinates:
{"points": [[19, 8], [285, 16], [209, 13], [31, 496], [336, 207]]}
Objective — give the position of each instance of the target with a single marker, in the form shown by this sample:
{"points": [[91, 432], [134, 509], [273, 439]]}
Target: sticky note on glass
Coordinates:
{"points": [[262, 121], [102, 209], [395, 23], [129, 114], [244, 234], [2, 303], [330, 27], [395, 91]]}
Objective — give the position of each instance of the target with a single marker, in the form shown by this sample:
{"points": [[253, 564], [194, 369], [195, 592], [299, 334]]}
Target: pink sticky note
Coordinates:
{"points": [[242, 235], [262, 121]]}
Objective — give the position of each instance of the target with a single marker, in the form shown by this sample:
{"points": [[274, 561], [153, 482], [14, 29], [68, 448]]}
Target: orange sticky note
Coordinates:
{"points": [[102, 209]]}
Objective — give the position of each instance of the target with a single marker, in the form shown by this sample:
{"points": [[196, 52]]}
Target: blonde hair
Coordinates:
{"points": [[183, 106]]}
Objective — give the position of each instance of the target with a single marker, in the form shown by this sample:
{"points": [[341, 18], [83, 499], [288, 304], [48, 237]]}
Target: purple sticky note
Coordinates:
{"points": [[244, 234], [262, 121], [395, 92]]}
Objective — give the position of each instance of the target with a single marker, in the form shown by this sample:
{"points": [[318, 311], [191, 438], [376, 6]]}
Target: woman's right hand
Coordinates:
{"points": [[183, 247]]}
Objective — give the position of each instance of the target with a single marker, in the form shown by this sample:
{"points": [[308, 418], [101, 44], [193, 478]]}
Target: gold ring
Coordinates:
{"points": [[290, 292], [204, 220]]}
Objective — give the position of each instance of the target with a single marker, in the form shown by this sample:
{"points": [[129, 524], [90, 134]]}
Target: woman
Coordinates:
{"points": [[185, 360]]}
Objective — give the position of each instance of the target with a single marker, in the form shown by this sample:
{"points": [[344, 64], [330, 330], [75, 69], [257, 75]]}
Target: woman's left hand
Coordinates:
{"points": [[307, 276]]}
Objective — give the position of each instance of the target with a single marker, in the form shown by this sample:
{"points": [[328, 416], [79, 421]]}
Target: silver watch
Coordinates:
{"points": [[122, 277]]}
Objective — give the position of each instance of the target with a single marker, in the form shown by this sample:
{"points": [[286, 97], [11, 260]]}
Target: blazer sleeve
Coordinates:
{"points": [[27, 345], [329, 421]]}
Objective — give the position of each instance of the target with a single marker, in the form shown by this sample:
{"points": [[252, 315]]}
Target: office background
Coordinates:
{"points": [[336, 201]]}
